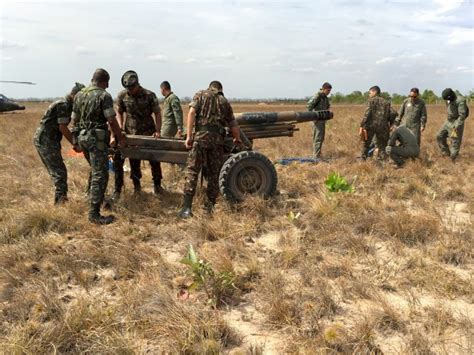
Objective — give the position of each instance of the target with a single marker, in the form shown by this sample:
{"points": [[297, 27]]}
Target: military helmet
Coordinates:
{"points": [[76, 88], [448, 94], [129, 79]]}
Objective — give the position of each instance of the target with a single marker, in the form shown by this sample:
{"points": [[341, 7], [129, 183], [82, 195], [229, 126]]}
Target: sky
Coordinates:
{"points": [[257, 49]]}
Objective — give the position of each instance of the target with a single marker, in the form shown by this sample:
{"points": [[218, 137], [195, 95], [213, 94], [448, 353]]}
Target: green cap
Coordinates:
{"points": [[76, 88], [129, 79]]}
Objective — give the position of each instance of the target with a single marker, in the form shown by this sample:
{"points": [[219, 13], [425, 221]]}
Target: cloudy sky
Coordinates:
{"points": [[258, 49]]}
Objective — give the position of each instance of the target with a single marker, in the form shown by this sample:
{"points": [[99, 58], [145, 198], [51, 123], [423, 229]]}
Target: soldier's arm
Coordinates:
{"points": [[190, 127], [313, 102], [424, 117], [398, 120], [462, 111], [233, 125], [367, 117], [178, 113], [393, 139], [110, 114], [155, 107], [63, 119]]}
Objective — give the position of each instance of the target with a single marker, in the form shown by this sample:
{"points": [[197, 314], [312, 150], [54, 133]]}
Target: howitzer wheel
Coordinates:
{"points": [[247, 173]]}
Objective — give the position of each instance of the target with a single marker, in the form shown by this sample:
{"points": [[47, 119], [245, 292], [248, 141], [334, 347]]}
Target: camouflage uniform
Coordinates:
{"points": [[139, 120], [457, 114], [414, 113], [318, 102], [407, 145], [92, 107], [47, 140], [172, 118], [213, 113], [376, 121]]}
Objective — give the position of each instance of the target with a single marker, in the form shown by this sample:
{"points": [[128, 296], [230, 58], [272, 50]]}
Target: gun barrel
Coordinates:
{"points": [[248, 118]]}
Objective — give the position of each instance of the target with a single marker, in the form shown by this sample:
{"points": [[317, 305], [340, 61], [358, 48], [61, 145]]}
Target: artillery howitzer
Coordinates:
{"points": [[245, 171]]}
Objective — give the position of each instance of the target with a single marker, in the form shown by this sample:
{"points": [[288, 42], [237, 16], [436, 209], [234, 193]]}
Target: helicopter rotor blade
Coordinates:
{"points": [[17, 82]]}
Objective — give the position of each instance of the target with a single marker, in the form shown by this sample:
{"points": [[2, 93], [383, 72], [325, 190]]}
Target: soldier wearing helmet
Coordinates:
{"points": [[138, 112], [453, 128], [48, 136]]}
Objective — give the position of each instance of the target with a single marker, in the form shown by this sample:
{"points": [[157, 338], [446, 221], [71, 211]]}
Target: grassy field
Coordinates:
{"points": [[385, 269]]}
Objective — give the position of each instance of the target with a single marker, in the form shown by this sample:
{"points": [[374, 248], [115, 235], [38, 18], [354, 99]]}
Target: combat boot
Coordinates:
{"points": [[96, 218], [157, 189], [186, 211], [116, 196]]}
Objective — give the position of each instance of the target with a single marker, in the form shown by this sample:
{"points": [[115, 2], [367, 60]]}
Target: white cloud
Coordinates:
{"points": [[190, 61], [461, 35], [130, 40], [81, 50], [157, 58], [5, 58], [304, 70], [338, 61], [7, 44], [385, 60], [440, 13], [228, 56]]}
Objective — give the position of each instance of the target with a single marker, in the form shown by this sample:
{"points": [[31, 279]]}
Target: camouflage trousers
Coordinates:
{"points": [[319, 131], [135, 171], [381, 135], [94, 146], [207, 157], [50, 154], [399, 154], [442, 138]]}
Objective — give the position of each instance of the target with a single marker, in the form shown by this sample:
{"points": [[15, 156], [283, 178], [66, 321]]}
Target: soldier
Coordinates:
{"points": [[172, 113], [319, 101], [48, 136], [402, 145], [458, 111], [138, 104], [93, 108], [413, 109], [376, 122], [211, 112]]}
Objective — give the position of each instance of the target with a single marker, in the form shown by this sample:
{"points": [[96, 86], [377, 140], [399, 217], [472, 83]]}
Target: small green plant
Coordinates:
{"points": [[218, 286], [292, 216], [336, 183]]}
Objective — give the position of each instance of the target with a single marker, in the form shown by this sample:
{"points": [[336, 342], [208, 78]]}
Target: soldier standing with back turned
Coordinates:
{"points": [[48, 138], [319, 102], [142, 117], [376, 122], [93, 112], [210, 112]]}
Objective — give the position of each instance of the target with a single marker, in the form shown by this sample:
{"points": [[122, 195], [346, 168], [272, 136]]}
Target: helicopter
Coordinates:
{"points": [[7, 105]]}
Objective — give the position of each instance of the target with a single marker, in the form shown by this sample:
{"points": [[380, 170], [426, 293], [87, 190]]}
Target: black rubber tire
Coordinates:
{"points": [[247, 173]]}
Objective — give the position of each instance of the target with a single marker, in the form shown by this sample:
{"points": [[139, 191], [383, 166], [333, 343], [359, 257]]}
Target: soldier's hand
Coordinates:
{"points": [[180, 133], [422, 128], [237, 141], [157, 134], [189, 143], [113, 142], [122, 141], [77, 149], [363, 134]]}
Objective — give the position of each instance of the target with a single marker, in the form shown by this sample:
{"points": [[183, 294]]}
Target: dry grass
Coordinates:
{"points": [[386, 269]]}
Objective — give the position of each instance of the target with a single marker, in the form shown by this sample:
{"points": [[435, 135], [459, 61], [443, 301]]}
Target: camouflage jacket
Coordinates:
{"points": [[414, 113], [92, 107], [457, 111], [318, 102], [172, 112], [377, 114], [139, 110], [59, 112], [404, 137]]}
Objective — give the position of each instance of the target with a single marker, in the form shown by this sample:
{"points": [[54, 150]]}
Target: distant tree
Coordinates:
{"points": [[397, 99], [429, 96]]}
